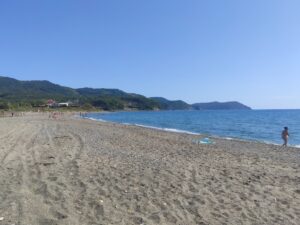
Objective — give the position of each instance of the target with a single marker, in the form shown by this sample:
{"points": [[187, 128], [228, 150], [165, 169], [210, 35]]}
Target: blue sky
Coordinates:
{"points": [[194, 50]]}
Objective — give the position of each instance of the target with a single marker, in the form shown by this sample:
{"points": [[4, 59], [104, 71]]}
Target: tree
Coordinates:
{"points": [[4, 106]]}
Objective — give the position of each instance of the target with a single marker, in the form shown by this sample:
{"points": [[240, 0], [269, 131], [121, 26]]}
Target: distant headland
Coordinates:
{"points": [[16, 94]]}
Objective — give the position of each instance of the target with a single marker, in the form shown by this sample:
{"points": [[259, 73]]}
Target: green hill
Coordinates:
{"points": [[15, 90], [32, 93], [220, 106], [15, 94], [115, 99], [171, 105]]}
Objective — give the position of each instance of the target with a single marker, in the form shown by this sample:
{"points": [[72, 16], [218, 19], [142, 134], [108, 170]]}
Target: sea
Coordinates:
{"points": [[255, 125]]}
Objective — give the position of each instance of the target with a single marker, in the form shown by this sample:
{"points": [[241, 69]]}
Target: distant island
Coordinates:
{"points": [[220, 106], [23, 95]]}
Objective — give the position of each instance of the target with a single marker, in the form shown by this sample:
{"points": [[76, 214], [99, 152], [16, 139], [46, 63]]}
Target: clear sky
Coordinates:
{"points": [[193, 50]]}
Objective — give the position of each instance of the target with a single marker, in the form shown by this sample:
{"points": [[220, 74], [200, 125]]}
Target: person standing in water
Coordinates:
{"points": [[285, 135]]}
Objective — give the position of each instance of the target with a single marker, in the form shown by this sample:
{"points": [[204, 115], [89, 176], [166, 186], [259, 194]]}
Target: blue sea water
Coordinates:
{"points": [[258, 125]]}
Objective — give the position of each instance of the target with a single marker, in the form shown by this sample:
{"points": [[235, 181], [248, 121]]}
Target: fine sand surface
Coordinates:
{"points": [[72, 171]]}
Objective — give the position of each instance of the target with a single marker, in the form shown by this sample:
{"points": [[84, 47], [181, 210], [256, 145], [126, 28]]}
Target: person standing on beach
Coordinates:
{"points": [[285, 136]]}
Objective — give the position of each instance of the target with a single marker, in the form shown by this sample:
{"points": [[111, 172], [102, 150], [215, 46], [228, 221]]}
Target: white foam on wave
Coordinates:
{"points": [[126, 123], [268, 142], [228, 138], [179, 131], [166, 129], [245, 140], [146, 126], [94, 119]]}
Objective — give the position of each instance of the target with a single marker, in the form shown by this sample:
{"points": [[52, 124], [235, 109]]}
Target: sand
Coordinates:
{"points": [[72, 171]]}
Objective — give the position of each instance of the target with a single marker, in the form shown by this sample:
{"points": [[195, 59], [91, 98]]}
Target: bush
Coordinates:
{"points": [[4, 106]]}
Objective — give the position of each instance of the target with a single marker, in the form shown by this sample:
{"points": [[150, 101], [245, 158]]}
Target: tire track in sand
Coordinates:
{"points": [[39, 163], [12, 169], [51, 178], [84, 200], [8, 139]]}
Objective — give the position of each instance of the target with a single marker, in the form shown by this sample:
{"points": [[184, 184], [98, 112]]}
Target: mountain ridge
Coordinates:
{"points": [[15, 93], [220, 106]]}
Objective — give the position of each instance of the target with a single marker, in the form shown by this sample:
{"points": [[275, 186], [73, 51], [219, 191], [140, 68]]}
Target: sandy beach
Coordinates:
{"points": [[71, 171]]}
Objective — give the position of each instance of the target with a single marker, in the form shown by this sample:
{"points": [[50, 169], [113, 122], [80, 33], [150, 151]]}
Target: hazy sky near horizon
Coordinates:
{"points": [[193, 50]]}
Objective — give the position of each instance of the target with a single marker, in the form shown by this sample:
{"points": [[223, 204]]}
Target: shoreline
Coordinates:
{"points": [[253, 147], [72, 171], [173, 130]]}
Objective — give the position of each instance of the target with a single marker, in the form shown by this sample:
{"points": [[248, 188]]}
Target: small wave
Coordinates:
{"points": [[141, 125], [180, 131], [228, 138], [94, 119], [167, 129], [245, 140], [145, 126]]}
